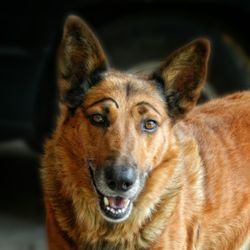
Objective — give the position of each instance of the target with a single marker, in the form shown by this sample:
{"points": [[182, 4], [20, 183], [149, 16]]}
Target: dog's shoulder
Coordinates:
{"points": [[222, 130], [226, 113]]}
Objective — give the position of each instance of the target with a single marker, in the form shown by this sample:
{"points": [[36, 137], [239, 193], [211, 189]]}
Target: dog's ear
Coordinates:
{"points": [[182, 76], [81, 61]]}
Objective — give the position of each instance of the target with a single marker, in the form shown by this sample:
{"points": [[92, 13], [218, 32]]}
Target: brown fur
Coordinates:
{"points": [[197, 192]]}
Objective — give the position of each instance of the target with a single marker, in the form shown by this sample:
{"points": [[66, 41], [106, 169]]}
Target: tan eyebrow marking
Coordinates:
{"points": [[102, 100], [149, 105]]}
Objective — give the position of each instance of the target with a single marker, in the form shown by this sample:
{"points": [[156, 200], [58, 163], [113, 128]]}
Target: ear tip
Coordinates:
{"points": [[203, 45], [72, 18], [73, 22], [204, 42]]}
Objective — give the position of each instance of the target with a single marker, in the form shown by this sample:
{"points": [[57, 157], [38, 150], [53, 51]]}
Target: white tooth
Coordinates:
{"points": [[108, 208], [123, 210], [112, 210], [106, 201], [119, 211]]}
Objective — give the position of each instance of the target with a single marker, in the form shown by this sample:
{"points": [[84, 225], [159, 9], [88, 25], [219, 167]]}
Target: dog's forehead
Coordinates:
{"points": [[125, 88], [122, 78], [131, 84]]}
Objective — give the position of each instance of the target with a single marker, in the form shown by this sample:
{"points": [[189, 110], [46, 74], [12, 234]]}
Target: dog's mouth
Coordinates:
{"points": [[115, 209]]}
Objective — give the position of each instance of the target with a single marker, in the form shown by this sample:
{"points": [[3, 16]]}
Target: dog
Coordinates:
{"points": [[135, 164]]}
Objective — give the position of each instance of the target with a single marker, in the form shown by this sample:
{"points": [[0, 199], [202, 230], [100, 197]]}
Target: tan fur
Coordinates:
{"points": [[197, 192]]}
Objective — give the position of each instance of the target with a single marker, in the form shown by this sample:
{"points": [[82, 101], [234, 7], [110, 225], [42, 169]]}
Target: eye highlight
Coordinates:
{"points": [[98, 120], [149, 126]]}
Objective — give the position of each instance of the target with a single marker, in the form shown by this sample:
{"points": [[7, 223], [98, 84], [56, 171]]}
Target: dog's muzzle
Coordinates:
{"points": [[117, 187]]}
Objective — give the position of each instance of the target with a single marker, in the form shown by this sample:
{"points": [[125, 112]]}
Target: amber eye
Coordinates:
{"points": [[99, 120], [149, 126]]}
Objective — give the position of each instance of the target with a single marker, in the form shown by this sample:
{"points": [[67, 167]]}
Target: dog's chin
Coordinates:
{"points": [[115, 209]]}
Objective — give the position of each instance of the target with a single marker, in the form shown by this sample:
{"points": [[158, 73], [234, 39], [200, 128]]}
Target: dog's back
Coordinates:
{"points": [[222, 130]]}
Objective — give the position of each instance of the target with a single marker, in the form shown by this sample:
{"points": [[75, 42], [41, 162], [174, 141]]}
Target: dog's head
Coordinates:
{"points": [[116, 126]]}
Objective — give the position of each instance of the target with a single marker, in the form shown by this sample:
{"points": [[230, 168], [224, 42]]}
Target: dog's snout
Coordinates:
{"points": [[120, 178]]}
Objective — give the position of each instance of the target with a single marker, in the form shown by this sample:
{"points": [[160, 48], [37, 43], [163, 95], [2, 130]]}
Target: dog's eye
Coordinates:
{"points": [[98, 120], [149, 126]]}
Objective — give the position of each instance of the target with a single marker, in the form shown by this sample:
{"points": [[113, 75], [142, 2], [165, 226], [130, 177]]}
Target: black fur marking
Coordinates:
{"points": [[128, 89], [96, 75], [159, 82], [102, 100], [171, 96], [74, 97], [106, 110]]}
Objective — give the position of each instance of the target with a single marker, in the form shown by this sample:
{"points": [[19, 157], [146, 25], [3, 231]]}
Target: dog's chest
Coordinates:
{"points": [[109, 247], [104, 245]]}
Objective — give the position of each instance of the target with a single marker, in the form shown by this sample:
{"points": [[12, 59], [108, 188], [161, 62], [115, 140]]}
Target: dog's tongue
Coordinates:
{"points": [[117, 202]]}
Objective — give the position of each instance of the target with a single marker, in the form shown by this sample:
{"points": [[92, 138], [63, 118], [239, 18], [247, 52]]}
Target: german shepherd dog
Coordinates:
{"points": [[133, 164]]}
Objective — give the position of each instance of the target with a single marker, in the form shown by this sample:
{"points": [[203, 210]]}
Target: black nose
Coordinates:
{"points": [[120, 178]]}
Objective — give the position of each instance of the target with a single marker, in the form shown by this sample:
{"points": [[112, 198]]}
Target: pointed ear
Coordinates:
{"points": [[81, 61], [182, 76]]}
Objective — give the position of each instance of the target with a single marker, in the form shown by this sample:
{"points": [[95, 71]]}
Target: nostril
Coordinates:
{"points": [[112, 185], [126, 185]]}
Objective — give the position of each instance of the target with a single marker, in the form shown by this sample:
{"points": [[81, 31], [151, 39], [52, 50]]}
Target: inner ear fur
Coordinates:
{"points": [[182, 76], [81, 60]]}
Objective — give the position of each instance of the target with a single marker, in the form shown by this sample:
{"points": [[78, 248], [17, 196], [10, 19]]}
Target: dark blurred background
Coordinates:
{"points": [[136, 35]]}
